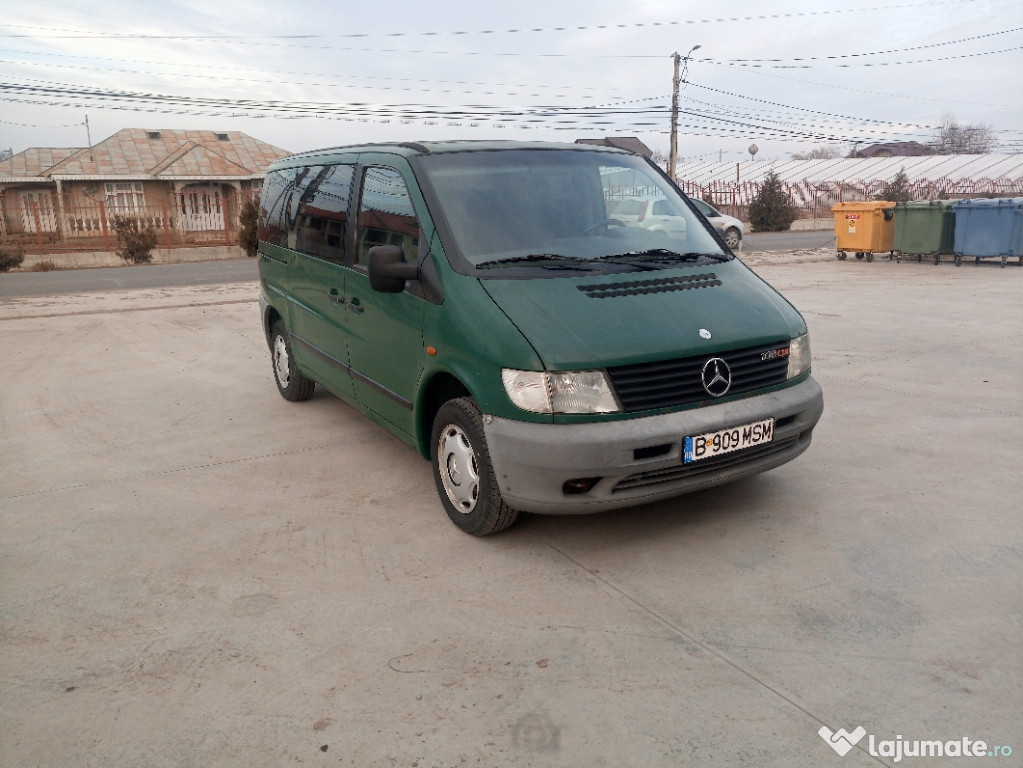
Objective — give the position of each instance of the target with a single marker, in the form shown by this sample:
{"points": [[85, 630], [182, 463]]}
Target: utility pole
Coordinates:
{"points": [[673, 151], [676, 79]]}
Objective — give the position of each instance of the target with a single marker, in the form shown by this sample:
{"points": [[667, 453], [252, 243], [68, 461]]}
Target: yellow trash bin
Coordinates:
{"points": [[864, 228]]}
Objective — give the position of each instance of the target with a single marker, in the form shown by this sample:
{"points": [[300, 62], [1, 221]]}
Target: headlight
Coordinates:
{"points": [[559, 392], [799, 356]]}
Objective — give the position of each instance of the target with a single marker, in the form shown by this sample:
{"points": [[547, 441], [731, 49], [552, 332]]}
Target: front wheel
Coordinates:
{"points": [[463, 473], [291, 384]]}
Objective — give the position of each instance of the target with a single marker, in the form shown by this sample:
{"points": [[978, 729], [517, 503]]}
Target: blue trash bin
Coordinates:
{"points": [[989, 229]]}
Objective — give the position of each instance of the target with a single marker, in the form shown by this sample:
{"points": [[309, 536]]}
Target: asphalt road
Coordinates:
{"points": [[145, 276], [71, 281], [787, 241]]}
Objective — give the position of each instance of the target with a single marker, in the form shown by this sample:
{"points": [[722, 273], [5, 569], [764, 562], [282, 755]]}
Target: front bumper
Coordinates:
{"points": [[640, 460]]}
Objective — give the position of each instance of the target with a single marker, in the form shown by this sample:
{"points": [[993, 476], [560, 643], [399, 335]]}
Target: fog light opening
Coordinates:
{"points": [[579, 485]]}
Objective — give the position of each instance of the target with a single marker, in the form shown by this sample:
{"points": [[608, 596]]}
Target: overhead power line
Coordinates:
{"points": [[417, 82], [79, 34], [833, 57], [648, 117], [863, 63]]}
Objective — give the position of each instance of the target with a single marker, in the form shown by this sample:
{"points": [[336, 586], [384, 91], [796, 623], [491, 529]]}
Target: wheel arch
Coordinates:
{"points": [[270, 317], [439, 388]]}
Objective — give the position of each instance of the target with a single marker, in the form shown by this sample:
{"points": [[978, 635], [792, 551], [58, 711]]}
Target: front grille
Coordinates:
{"points": [[676, 472], [671, 383]]}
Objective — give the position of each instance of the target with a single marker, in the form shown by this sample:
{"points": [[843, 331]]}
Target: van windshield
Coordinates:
{"points": [[561, 208]]}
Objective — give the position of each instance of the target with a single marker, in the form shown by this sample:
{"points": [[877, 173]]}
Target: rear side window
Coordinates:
{"points": [[279, 204], [322, 219]]}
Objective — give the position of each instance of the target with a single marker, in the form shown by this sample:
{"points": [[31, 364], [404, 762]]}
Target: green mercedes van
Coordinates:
{"points": [[484, 302]]}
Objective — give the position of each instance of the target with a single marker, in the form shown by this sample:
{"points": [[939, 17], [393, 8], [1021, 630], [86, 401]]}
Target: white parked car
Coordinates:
{"points": [[731, 228], [657, 214]]}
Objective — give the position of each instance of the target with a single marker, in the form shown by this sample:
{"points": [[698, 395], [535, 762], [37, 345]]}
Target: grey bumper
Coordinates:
{"points": [[640, 460]]}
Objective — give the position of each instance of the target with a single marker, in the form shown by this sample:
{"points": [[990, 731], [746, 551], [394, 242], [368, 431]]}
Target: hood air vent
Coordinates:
{"points": [[640, 287]]}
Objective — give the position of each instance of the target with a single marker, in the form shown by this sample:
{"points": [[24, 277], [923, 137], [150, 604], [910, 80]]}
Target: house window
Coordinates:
{"points": [[125, 197]]}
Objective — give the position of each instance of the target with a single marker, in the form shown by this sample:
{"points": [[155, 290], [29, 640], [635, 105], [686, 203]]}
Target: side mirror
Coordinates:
{"points": [[388, 270]]}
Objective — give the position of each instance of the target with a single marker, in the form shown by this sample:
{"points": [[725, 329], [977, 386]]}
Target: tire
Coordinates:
{"points": [[870, 256], [859, 255], [291, 384], [842, 255], [463, 473], [732, 237]]}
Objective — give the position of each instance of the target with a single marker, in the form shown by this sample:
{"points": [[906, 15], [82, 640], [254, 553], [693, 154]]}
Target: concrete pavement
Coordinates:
{"points": [[195, 572]]}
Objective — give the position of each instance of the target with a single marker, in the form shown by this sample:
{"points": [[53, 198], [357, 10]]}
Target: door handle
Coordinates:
{"points": [[339, 301]]}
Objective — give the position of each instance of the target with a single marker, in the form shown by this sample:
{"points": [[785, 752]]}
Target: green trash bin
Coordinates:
{"points": [[924, 228]]}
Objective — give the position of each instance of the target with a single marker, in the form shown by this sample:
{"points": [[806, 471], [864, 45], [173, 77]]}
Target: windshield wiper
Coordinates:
{"points": [[666, 254], [545, 260]]}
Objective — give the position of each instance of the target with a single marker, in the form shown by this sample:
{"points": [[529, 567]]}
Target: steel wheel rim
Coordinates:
{"points": [[458, 468], [281, 361], [731, 239]]}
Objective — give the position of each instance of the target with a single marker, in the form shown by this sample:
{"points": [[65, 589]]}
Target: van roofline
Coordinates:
{"points": [[413, 148]]}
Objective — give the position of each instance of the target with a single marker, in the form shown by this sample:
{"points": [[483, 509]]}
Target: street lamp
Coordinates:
{"points": [[673, 156]]}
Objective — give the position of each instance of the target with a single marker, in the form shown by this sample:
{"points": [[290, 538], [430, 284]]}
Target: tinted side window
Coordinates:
{"points": [[386, 215], [322, 219], [272, 226], [281, 193]]}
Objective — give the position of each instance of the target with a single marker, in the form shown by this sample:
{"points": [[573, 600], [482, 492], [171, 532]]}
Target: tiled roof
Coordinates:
{"points": [[32, 162], [138, 152], [192, 159]]}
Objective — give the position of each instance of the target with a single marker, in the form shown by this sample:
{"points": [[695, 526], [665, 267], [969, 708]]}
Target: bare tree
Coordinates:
{"points": [[820, 152], [955, 139]]}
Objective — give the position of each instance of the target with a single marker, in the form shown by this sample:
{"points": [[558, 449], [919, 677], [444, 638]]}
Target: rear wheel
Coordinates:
{"points": [[732, 237], [290, 383], [463, 473]]}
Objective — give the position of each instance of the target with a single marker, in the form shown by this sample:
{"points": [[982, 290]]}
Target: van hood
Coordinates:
{"points": [[581, 321]]}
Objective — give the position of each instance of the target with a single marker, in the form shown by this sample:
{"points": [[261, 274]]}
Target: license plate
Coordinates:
{"points": [[724, 441]]}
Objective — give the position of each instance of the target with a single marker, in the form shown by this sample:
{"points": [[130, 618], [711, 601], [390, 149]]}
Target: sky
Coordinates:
{"points": [[785, 77]]}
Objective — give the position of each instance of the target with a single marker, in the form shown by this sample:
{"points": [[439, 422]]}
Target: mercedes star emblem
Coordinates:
{"points": [[717, 377]]}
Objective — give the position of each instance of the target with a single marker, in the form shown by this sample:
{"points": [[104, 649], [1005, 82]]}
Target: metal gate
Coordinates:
{"points": [[201, 209], [37, 213]]}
